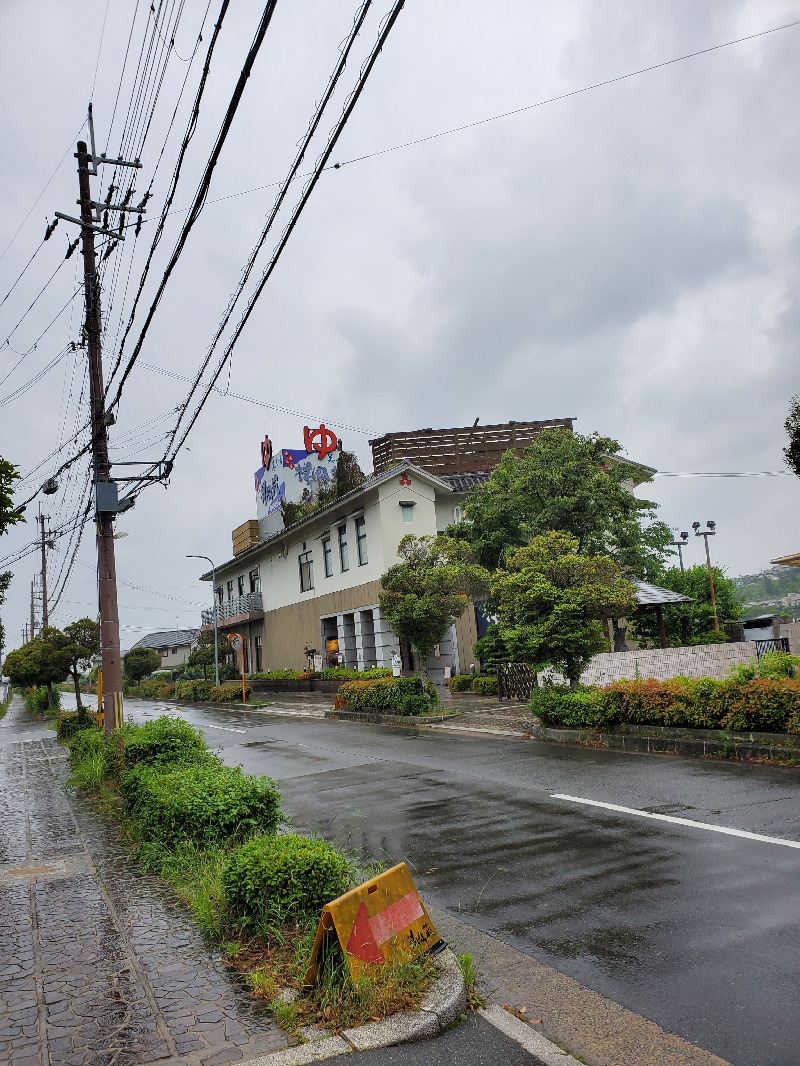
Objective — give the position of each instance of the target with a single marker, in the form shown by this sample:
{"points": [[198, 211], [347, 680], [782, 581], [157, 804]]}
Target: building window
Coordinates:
{"points": [[175, 651], [259, 662], [246, 655], [240, 583], [344, 557], [229, 588], [327, 557], [306, 572], [361, 541], [407, 511], [458, 514], [164, 653], [218, 592], [255, 582]]}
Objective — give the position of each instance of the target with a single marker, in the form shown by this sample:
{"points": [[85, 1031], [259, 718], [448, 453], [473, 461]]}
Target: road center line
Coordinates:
{"points": [[679, 821]]}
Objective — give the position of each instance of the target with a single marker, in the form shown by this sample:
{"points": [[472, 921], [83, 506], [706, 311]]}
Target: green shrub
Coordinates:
{"points": [[276, 675], [198, 690], [156, 690], [761, 705], [772, 665], [36, 700], [229, 693], [398, 695], [485, 685], [69, 723], [160, 742], [460, 683], [346, 673], [205, 802], [289, 878]]}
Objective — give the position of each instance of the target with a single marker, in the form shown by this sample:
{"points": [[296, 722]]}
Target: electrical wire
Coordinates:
{"points": [[25, 354], [22, 272], [349, 106], [36, 378], [203, 187], [36, 298], [724, 473]]}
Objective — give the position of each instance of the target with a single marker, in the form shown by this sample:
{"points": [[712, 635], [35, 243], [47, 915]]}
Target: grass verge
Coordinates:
{"points": [[269, 949]]}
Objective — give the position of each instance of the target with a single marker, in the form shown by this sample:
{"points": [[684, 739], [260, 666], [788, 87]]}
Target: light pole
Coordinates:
{"points": [[680, 545], [706, 533], [213, 609]]}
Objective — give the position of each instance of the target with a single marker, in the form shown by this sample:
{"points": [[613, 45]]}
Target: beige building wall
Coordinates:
{"points": [[466, 634]]}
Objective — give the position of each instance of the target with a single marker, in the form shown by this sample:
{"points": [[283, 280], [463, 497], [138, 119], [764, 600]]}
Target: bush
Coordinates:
{"points": [[205, 802], [460, 683], [772, 664], [36, 700], [278, 675], [346, 673], [194, 690], [163, 741], [289, 878], [485, 685], [156, 690], [761, 705], [401, 695], [229, 693], [69, 723]]}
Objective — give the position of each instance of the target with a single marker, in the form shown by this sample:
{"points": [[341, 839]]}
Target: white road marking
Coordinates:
{"points": [[680, 821], [226, 728], [526, 1036]]}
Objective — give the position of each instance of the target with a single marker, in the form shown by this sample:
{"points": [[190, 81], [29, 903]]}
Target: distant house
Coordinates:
{"points": [[173, 645]]}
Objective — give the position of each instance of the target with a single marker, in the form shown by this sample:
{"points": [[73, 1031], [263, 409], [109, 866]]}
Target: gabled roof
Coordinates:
{"points": [[466, 482], [347, 500], [653, 596], [167, 638]]}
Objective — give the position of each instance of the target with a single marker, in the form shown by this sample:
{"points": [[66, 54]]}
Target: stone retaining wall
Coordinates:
{"points": [[704, 660]]}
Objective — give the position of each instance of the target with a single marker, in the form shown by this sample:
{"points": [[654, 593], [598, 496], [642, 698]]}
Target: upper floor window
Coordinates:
{"points": [[306, 572], [407, 511], [327, 557], [255, 580], [218, 592], [361, 541], [458, 514], [240, 583], [344, 555], [229, 588]]}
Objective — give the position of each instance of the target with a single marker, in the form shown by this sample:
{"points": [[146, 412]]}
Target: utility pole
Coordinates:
{"points": [[680, 545], [33, 616], [45, 615], [706, 533]]}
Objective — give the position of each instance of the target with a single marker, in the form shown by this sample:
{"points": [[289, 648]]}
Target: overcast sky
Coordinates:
{"points": [[628, 256]]}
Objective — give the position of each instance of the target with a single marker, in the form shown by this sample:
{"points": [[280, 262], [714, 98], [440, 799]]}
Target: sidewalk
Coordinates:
{"points": [[98, 965]]}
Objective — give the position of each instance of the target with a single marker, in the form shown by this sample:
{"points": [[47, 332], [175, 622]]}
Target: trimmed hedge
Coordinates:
{"points": [[154, 690], [289, 877], [761, 705], [161, 742], [278, 675], [460, 683], [485, 685], [205, 802], [230, 693], [346, 673], [401, 695]]}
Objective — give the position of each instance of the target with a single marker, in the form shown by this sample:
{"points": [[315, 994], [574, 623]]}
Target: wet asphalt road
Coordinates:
{"points": [[690, 928]]}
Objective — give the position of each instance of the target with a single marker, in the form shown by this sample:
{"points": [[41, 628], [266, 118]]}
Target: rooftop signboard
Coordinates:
{"points": [[290, 472]]}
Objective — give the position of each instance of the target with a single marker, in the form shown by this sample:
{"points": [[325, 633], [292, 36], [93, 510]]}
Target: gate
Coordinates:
{"points": [[515, 681], [777, 644]]}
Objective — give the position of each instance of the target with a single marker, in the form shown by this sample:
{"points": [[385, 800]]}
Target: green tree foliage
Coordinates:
{"points": [[83, 643], [492, 649], [690, 623], [140, 663], [5, 581], [568, 482], [43, 661], [203, 654], [8, 475], [349, 476], [792, 426], [425, 593], [551, 600]]}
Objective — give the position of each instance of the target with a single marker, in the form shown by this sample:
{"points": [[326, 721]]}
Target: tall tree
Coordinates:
{"points": [[5, 581], [8, 517], [551, 601], [429, 590], [140, 663], [792, 426], [83, 643], [579, 485]]}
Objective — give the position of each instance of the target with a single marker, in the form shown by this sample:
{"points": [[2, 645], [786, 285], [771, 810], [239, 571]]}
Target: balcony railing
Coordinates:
{"points": [[246, 604]]}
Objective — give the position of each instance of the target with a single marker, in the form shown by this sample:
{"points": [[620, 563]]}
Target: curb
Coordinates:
{"points": [[440, 1008], [417, 721]]}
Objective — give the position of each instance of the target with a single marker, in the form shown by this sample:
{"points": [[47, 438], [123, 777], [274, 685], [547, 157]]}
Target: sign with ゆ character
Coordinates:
{"points": [[381, 921]]}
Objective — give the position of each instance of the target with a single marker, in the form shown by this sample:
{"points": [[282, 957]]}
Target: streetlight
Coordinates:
{"points": [[680, 545], [214, 610], [706, 533]]}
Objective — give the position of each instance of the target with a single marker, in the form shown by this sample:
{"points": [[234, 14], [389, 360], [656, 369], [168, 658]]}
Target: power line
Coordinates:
{"points": [[350, 104], [724, 473]]}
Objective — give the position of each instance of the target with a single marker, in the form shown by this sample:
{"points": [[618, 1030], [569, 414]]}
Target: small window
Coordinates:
{"points": [[255, 581], [259, 663], [361, 541], [174, 651], [407, 511], [229, 588], [218, 591], [240, 584], [164, 653], [306, 572], [344, 556], [327, 557]]}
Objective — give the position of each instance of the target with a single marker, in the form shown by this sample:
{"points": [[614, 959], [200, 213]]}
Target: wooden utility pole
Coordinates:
{"points": [[45, 615], [105, 495]]}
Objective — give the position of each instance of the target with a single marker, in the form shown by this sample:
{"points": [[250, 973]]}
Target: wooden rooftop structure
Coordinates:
{"points": [[467, 450]]}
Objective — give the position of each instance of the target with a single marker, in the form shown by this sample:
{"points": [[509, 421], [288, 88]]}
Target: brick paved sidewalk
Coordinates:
{"points": [[99, 966]]}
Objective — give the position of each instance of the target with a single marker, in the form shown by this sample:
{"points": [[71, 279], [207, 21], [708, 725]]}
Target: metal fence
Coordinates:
{"points": [[515, 681], [251, 601], [774, 644]]}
